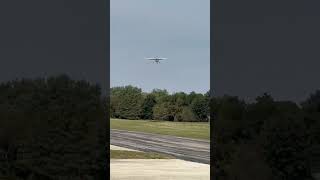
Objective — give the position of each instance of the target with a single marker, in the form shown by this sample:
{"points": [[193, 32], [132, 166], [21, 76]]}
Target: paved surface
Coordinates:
{"points": [[158, 169], [112, 147], [181, 148]]}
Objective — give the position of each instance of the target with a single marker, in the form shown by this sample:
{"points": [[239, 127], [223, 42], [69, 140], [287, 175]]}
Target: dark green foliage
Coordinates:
{"points": [[229, 124], [164, 111], [130, 103], [274, 137], [312, 104], [185, 114], [52, 129], [286, 152], [200, 107], [285, 141], [311, 108], [126, 102], [159, 94], [245, 163], [180, 99], [147, 106], [257, 113]]}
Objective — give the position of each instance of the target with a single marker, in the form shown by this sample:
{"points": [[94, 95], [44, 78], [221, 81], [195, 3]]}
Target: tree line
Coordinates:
{"points": [[52, 128], [129, 102], [265, 139]]}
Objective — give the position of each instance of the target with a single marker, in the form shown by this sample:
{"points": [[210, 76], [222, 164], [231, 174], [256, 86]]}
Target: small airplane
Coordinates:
{"points": [[156, 59]]}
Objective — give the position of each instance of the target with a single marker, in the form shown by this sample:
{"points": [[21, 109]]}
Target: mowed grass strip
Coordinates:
{"points": [[121, 154], [196, 130]]}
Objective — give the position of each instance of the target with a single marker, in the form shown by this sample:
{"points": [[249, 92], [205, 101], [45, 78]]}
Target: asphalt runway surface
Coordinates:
{"points": [[181, 148]]}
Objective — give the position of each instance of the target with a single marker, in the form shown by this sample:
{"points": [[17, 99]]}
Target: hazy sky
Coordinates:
{"points": [[268, 46], [176, 29], [43, 38]]}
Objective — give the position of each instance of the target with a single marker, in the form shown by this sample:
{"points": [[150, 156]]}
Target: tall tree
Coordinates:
{"points": [[200, 107], [126, 102], [147, 106]]}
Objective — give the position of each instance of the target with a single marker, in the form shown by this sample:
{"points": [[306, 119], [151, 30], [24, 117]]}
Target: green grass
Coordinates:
{"points": [[120, 154], [196, 130]]}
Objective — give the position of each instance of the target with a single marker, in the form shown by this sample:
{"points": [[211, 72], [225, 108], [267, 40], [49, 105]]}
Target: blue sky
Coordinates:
{"points": [[176, 29]]}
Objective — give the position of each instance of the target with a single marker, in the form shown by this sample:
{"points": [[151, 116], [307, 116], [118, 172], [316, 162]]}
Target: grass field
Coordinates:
{"points": [[197, 130], [120, 154]]}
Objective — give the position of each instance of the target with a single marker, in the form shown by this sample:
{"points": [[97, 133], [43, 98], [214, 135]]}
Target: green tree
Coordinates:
{"points": [[187, 115], [229, 123], [49, 126], [285, 141], [259, 112], [200, 107], [160, 94], [126, 102], [163, 111], [129, 103], [190, 97], [311, 108], [180, 99], [147, 106]]}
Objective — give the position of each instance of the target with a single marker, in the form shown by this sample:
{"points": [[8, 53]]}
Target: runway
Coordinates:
{"points": [[181, 148]]}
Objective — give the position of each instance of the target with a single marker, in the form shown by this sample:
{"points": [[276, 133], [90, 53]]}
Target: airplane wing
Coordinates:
{"points": [[156, 58]]}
